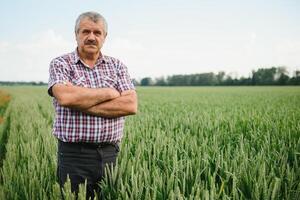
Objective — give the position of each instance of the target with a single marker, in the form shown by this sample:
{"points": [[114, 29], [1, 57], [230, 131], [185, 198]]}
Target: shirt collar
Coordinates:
{"points": [[101, 59]]}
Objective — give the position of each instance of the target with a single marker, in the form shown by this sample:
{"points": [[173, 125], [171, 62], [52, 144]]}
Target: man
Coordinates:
{"points": [[92, 94]]}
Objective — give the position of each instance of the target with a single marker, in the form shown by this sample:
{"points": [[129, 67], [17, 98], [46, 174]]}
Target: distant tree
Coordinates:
{"points": [[220, 77], [283, 79], [207, 79], [195, 79], [264, 76], [281, 76], [146, 81], [228, 80], [295, 80], [160, 81], [176, 80], [135, 82], [244, 81]]}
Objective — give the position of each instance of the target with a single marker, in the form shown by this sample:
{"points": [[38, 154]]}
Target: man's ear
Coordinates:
{"points": [[76, 34]]}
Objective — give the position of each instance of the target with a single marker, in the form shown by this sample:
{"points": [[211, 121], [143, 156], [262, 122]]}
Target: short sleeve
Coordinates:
{"points": [[124, 81], [58, 73]]}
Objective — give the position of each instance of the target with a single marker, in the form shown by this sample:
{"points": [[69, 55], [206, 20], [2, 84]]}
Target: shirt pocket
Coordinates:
{"points": [[79, 79], [108, 81]]}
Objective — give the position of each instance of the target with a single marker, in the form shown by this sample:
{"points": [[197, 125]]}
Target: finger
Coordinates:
{"points": [[68, 83]]}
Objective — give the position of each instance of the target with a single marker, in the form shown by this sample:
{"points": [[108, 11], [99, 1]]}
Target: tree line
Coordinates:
{"points": [[16, 83], [262, 76]]}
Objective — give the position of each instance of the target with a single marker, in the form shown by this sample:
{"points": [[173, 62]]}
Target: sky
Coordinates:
{"points": [[154, 38]]}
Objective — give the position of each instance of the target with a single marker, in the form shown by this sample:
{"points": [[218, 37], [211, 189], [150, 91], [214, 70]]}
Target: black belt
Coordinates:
{"points": [[89, 144]]}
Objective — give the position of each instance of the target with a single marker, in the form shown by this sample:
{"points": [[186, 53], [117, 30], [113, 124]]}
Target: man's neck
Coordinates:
{"points": [[89, 59]]}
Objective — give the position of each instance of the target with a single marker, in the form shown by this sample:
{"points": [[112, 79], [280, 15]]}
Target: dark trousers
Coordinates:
{"points": [[85, 162]]}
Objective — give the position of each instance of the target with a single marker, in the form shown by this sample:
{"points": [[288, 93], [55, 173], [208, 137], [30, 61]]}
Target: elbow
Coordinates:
{"points": [[131, 103], [64, 101], [62, 95], [135, 105], [131, 112], [133, 108]]}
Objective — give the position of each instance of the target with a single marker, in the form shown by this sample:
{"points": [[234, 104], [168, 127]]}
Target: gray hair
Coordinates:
{"points": [[94, 16]]}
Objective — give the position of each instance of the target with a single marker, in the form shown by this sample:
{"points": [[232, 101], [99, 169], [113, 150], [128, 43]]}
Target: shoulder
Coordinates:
{"points": [[114, 61], [64, 59]]}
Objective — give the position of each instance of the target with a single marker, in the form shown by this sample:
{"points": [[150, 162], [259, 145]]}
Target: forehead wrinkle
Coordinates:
{"points": [[90, 25]]}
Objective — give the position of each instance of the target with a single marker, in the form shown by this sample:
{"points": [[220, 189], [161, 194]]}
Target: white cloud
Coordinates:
{"points": [[134, 54], [29, 60], [148, 55]]}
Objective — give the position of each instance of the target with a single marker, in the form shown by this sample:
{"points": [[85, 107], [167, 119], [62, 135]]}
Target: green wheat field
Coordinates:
{"points": [[184, 143]]}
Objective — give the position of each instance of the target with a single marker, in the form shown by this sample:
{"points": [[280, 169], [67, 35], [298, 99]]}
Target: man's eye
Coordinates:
{"points": [[97, 33], [85, 32]]}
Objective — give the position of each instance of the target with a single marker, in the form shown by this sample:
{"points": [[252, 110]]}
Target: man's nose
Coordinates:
{"points": [[91, 36]]}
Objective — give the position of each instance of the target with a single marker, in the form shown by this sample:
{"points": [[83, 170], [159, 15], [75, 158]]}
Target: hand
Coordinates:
{"points": [[113, 93], [67, 83]]}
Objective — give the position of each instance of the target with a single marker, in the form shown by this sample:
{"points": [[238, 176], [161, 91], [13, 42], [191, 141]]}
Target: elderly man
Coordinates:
{"points": [[92, 94]]}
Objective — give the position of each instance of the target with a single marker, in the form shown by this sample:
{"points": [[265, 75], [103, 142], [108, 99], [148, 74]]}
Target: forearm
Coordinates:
{"points": [[82, 98], [124, 105]]}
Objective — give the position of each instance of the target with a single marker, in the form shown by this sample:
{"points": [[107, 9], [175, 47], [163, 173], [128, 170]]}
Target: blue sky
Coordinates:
{"points": [[154, 38]]}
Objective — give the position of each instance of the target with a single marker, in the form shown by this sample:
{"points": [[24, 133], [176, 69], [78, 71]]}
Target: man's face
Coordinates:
{"points": [[90, 36]]}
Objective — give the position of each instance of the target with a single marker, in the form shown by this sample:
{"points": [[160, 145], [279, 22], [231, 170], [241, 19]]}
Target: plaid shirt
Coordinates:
{"points": [[74, 126]]}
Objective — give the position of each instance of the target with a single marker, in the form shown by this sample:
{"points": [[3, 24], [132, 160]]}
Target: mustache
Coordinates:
{"points": [[90, 42]]}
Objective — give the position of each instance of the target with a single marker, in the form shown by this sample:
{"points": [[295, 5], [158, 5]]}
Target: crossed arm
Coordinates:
{"points": [[103, 102]]}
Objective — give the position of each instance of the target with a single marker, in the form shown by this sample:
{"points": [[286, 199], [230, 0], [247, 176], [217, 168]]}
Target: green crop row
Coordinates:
{"points": [[185, 143]]}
